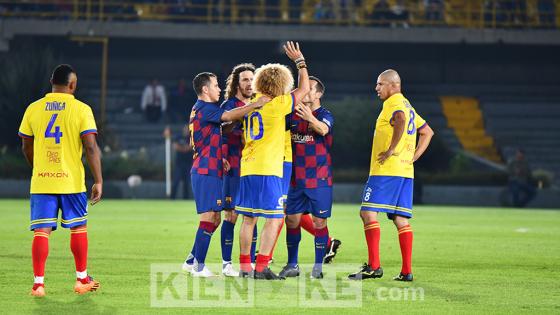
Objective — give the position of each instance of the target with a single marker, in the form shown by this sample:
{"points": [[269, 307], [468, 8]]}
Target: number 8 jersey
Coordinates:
{"points": [[264, 131], [400, 164], [56, 124]]}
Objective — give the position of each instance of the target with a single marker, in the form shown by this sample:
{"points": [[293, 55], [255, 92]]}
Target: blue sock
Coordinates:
{"points": [[254, 244], [293, 237], [227, 240], [202, 242], [321, 240]]}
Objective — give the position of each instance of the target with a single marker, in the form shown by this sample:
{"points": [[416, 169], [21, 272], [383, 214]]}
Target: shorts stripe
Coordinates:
{"points": [[388, 207], [74, 220], [263, 211], [49, 220]]}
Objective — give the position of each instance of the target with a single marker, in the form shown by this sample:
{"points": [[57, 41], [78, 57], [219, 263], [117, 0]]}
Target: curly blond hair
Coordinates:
{"points": [[273, 79]]}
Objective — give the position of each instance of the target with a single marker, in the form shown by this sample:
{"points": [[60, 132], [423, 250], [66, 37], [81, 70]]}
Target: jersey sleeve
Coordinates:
{"points": [[87, 125], [228, 105], [283, 104], [419, 122], [327, 118], [212, 114], [25, 130]]}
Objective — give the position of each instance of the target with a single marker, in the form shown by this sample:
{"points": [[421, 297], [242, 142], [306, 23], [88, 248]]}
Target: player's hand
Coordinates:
{"points": [[96, 192], [262, 100], [292, 50], [383, 156], [304, 112], [227, 167]]}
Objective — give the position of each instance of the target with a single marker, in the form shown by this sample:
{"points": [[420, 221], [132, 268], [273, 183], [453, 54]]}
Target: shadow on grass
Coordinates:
{"points": [[82, 304]]}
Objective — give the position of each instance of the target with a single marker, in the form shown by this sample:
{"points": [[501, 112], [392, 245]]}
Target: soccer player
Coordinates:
{"points": [[54, 130], [260, 187], [311, 189], [238, 93], [206, 173], [389, 188]]}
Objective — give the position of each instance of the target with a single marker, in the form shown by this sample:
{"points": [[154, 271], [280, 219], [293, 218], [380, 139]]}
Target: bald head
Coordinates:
{"points": [[388, 84]]}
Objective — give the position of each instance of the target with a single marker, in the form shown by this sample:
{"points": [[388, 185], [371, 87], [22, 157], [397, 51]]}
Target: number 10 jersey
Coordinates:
{"points": [[264, 132], [56, 124]]}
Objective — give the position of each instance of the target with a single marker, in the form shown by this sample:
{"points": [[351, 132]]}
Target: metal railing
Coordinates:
{"points": [[411, 13]]}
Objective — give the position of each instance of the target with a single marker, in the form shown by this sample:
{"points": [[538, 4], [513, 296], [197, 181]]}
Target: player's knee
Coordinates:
{"points": [[319, 223], [400, 222], [292, 221], [368, 216]]}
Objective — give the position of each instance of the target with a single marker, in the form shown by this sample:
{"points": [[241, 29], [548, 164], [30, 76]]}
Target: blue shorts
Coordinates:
{"points": [[317, 201], [389, 194], [231, 189], [44, 210], [260, 196], [286, 178], [207, 192]]}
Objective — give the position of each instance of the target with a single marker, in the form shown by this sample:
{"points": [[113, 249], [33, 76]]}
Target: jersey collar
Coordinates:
{"points": [[65, 95]]}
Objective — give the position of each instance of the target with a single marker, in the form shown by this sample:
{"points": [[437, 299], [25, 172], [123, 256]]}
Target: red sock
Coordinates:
{"points": [[262, 262], [276, 241], [405, 240], [306, 223], [39, 252], [245, 263], [79, 247], [372, 232]]}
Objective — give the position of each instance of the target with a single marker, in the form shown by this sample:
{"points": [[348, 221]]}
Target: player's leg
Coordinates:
{"points": [[74, 217], [406, 235], [248, 225], [208, 196], [293, 237], [44, 214], [320, 206], [268, 238], [231, 185]]}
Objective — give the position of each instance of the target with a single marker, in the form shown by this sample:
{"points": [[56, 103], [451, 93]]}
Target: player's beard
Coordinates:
{"points": [[247, 93]]}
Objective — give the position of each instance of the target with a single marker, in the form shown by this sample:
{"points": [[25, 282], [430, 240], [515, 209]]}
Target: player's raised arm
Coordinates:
{"points": [[425, 134], [294, 53], [94, 161], [238, 113]]}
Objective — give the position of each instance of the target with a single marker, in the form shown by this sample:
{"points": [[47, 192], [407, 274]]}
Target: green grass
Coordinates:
{"points": [[475, 260]]}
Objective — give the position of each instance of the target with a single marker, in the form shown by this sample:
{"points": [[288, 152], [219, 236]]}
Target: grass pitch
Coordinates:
{"points": [[475, 260]]}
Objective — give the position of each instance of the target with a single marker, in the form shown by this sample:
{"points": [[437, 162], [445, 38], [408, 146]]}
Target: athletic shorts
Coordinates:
{"points": [[207, 192], [286, 178], [260, 196], [389, 194], [44, 210], [317, 201], [231, 188]]}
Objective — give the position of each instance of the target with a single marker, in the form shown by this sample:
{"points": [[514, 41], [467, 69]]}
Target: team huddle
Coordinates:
{"points": [[265, 152]]}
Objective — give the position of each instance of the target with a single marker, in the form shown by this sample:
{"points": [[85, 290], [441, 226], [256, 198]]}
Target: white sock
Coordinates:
{"points": [[81, 275], [39, 280]]}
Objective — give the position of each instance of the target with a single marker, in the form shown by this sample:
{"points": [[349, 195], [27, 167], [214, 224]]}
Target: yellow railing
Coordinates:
{"points": [[453, 13]]}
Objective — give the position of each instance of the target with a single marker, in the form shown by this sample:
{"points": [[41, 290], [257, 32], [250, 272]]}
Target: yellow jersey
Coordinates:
{"points": [[288, 147], [56, 123], [400, 164], [264, 132]]}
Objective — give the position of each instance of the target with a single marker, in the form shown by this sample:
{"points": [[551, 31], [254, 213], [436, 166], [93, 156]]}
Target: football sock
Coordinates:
{"points": [[202, 241], [245, 263], [39, 253], [254, 244], [372, 232], [262, 262], [227, 240], [321, 239], [190, 256], [293, 237], [405, 241], [306, 222], [79, 247]]}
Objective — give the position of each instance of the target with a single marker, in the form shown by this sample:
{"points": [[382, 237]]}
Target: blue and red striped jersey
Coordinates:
{"points": [[206, 138], [312, 164], [232, 142]]}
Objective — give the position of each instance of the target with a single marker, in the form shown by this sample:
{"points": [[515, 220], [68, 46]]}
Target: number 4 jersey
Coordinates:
{"points": [[400, 164], [56, 124], [264, 131]]}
